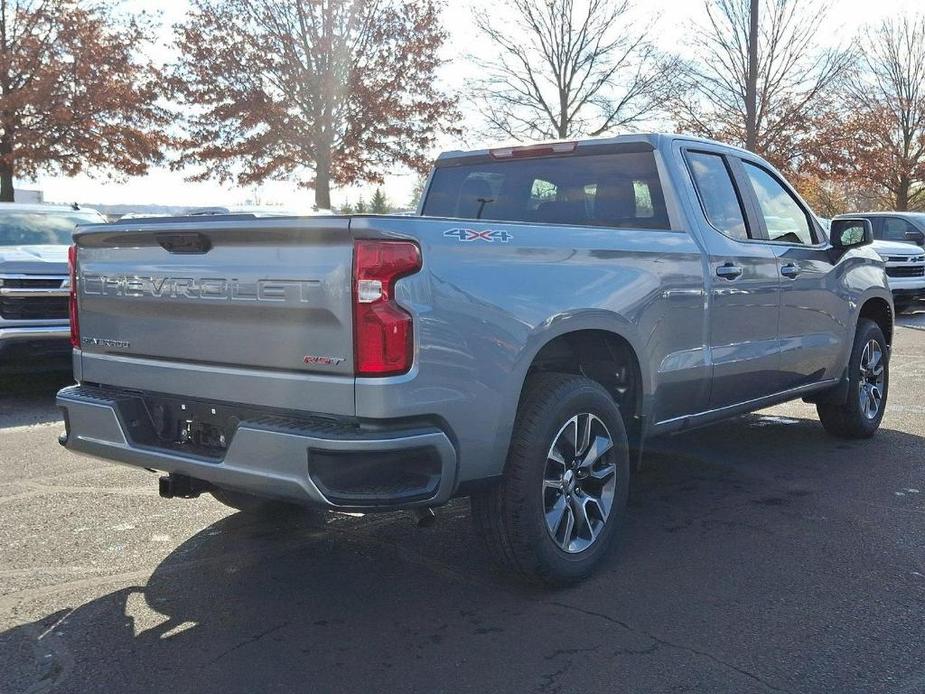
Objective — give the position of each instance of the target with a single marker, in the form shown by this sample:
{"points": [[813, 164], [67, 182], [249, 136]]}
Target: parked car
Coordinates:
{"points": [[552, 308], [905, 263], [34, 241]]}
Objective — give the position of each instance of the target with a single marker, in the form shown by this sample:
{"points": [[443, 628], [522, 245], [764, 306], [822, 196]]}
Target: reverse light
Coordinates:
{"points": [[383, 331], [72, 295]]}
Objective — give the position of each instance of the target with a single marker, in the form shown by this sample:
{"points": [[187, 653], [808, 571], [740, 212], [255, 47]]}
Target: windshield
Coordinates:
{"points": [[610, 190], [35, 228]]}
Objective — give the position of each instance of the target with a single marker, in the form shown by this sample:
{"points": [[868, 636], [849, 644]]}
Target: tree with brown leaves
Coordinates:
{"points": [[74, 94], [327, 91], [778, 66], [568, 68], [885, 113]]}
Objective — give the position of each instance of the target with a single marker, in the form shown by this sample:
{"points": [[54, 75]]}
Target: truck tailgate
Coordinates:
{"points": [[261, 308]]}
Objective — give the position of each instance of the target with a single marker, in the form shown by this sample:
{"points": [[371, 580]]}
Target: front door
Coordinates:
{"points": [[813, 315]]}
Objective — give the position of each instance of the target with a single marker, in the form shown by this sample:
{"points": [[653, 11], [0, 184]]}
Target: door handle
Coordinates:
{"points": [[790, 270], [728, 271]]}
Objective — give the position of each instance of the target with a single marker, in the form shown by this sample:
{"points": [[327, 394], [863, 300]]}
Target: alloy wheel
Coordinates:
{"points": [[870, 385], [579, 483]]}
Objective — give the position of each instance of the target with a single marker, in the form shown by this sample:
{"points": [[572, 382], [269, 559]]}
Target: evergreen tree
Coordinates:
{"points": [[379, 204]]}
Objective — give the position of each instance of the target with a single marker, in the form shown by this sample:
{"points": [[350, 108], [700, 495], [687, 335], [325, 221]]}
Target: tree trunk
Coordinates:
{"points": [[6, 167], [323, 184], [6, 182], [902, 194], [751, 82], [563, 114]]}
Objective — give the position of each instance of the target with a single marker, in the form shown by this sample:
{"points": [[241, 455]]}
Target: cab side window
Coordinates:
{"points": [[894, 229], [783, 216], [717, 194]]}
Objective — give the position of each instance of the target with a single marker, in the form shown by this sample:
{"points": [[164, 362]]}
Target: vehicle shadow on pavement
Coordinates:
{"points": [[741, 545], [30, 398]]}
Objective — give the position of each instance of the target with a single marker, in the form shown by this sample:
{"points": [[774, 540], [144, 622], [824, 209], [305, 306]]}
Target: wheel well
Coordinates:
{"points": [[603, 357], [878, 310]]}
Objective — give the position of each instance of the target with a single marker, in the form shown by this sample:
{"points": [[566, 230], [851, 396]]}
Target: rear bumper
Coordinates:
{"points": [[337, 465], [35, 348]]}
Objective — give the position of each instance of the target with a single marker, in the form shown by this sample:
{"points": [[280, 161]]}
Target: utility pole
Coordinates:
{"points": [[751, 82]]}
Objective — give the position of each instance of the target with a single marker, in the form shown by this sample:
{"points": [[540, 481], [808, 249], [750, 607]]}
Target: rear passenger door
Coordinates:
{"points": [[743, 282], [813, 313]]}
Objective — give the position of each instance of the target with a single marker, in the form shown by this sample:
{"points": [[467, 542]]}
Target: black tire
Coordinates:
{"points": [[260, 506], [848, 420], [510, 518]]}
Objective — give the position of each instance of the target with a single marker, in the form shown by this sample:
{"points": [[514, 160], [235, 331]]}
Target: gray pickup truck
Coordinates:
{"points": [[549, 309]]}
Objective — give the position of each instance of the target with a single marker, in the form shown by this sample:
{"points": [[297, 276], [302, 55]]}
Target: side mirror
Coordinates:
{"points": [[917, 237], [849, 233]]}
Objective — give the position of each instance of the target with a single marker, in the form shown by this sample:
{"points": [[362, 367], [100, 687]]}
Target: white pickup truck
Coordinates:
{"points": [[34, 330]]}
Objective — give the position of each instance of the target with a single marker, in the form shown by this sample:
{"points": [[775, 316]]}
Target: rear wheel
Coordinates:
{"points": [[559, 505], [868, 385]]}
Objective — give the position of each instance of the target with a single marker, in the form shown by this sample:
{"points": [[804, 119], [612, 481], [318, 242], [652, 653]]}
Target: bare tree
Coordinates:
{"points": [[790, 77], [567, 68], [888, 112]]}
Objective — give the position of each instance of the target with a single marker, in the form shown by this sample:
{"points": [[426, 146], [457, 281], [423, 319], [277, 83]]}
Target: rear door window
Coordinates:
{"points": [[718, 196], [608, 190]]}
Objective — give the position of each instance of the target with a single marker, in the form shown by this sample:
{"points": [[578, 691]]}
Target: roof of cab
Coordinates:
{"points": [[654, 140]]}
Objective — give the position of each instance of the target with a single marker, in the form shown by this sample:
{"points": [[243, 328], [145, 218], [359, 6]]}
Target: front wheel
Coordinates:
{"points": [[868, 385], [563, 494]]}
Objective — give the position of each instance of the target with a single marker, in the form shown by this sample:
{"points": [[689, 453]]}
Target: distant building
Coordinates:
{"points": [[29, 196]]}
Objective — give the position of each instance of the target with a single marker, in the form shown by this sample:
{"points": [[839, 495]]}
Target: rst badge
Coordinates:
{"points": [[490, 235], [314, 360]]}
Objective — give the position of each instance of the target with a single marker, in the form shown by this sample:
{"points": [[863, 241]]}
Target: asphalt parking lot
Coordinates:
{"points": [[759, 555]]}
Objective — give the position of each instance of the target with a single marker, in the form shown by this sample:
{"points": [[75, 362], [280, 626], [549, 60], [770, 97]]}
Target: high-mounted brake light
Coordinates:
{"points": [[383, 333], [533, 150], [72, 296]]}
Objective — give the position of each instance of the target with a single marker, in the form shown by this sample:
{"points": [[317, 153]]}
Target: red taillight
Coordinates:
{"points": [[72, 299], [382, 330]]}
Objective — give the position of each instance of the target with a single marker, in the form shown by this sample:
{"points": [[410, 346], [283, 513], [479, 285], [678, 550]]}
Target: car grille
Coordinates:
{"points": [[916, 271], [905, 259], [42, 297]]}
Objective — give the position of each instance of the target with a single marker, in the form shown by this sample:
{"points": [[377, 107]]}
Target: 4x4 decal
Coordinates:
{"points": [[490, 235]]}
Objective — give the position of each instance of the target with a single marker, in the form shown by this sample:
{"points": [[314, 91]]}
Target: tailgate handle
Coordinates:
{"points": [[191, 242]]}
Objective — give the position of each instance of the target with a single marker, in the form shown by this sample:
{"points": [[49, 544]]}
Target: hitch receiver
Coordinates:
{"points": [[181, 487]]}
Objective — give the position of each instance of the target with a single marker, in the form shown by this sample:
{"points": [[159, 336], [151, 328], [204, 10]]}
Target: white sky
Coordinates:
{"points": [[162, 186]]}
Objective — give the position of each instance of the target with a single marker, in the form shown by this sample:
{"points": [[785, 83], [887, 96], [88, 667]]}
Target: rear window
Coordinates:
{"points": [[607, 190]]}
